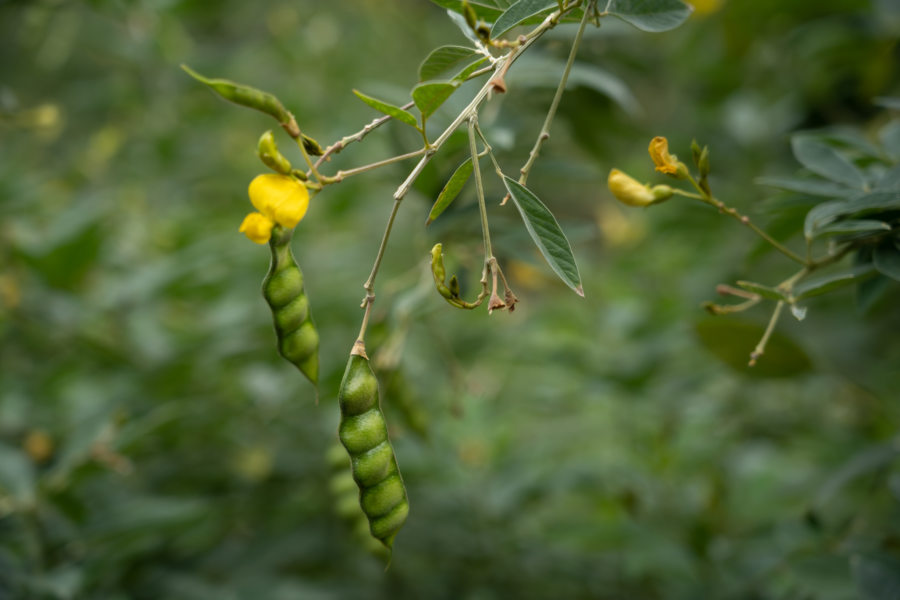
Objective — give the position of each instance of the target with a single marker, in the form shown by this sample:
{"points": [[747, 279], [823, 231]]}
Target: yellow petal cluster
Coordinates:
{"points": [[257, 227], [659, 152], [279, 199], [629, 191]]}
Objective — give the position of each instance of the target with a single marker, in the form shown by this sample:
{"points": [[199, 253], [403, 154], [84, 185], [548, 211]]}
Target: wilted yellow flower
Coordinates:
{"points": [[631, 192], [281, 198], [257, 227], [659, 152]]}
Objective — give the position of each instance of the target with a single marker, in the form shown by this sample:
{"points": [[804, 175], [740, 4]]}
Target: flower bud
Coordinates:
{"points": [[267, 150], [629, 191]]}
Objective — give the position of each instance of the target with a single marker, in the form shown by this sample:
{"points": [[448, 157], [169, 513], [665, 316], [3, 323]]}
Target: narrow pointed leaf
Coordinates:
{"points": [[763, 290], [890, 139], [813, 187], [821, 285], [861, 204], [444, 59], [824, 160], [651, 15], [388, 109], [451, 190], [519, 12], [853, 227], [546, 233], [429, 96]]}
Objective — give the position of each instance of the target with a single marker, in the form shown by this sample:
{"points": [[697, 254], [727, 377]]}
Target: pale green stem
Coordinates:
{"points": [[479, 191], [548, 121]]}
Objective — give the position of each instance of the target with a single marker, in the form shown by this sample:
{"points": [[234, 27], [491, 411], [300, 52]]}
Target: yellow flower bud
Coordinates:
{"points": [[665, 162], [628, 190], [281, 198], [257, 227]]}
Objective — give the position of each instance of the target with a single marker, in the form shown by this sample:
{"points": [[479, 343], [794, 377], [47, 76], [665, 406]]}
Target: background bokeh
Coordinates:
{"points": [[153, 444]]}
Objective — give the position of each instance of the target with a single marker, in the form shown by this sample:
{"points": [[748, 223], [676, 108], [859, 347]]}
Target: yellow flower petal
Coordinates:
{"points": [[257, 227], [659, 152], [281, 198]]}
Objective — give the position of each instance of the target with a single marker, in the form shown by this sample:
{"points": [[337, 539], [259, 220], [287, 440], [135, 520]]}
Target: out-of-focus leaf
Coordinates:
{"points": [[870, 291], [763, 290], [535, 69], [824, 160], [519, 12], [862, 204], [451, 189], [858, 465], [887, 102], [889, 180], [429, 96], [826, 283], [546, 233], [813, 187], [890, 138], [389, 109], [886, 259], [731, 341], [17, 478], [877, 578], [445, 58], [651, 15], [488, 10], [853, 226]]}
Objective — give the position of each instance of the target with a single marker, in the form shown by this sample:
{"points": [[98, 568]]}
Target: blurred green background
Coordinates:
{"points": [[153, 444]]}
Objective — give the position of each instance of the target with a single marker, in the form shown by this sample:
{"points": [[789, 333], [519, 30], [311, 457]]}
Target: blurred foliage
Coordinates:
{"points": [[154, 445]]}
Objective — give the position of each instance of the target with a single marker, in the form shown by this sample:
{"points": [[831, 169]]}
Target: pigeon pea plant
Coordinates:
{"points": [[852, 196], [281, 199]]}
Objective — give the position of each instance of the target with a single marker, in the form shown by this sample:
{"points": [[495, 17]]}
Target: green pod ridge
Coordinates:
{"points": [[298, 340], [363, 432], [345, 493], [373, 466]]}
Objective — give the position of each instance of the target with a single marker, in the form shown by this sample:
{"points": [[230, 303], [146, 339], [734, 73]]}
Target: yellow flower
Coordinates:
{"points": [[257, 227], [629, 191], [659, 152], [281, 198]]}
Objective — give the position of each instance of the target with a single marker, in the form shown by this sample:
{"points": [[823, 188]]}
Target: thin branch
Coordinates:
{"points": [[548, 121]]}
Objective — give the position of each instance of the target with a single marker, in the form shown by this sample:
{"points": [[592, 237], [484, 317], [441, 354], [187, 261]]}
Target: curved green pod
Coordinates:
{"points": [[373, 464], [298, 340]]}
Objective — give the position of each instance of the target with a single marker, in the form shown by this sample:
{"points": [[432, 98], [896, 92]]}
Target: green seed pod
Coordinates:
{"points": [[345, 493], [298, 340], [251, 98], [363, 433], [267, 150]]}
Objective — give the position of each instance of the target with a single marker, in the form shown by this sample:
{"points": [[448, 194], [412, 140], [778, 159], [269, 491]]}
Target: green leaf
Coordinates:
{"points": [[890, 139], [877, 578], [813, 187], [429, 96], [465, 73], [862, 204], [889, 180], [826, 283], [487, 10], [731, 340], [763, 290], [651, 15], [886, 259], [443, 59], [519, 12], [866, 461], [546, 233], [451, 190], [851, 226], [388, 109], [824, 160]]}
